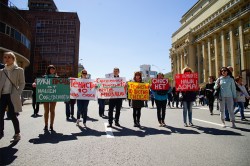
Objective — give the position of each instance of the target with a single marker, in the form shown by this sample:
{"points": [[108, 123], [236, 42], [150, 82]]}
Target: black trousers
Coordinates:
{"points": [[211, 104], [117, 104], [136, 115], [161, 109], [101, 103], [35, 105], [4, 102]]}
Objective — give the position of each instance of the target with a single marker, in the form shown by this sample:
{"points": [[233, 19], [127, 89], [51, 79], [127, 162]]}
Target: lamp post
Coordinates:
{"points": [[159, 69]]}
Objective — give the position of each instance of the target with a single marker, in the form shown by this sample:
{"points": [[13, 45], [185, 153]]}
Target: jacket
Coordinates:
{"points": [[227, 86], [242, 94], [17, 78]]}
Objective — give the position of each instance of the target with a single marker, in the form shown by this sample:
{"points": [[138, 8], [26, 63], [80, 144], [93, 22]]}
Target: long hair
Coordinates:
{"points": [[48, 69], [137, 74], [12, 55]]}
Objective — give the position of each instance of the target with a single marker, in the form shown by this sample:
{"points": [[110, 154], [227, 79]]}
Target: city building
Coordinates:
{"points": [[15, 34], [213, 34], [147, 73]]}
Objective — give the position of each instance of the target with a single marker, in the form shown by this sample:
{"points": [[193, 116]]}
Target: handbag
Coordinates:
{"points": [[10, 80]]}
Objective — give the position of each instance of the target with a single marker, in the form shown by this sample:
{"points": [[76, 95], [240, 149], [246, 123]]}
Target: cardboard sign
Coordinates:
{"points": [[52, 89], [111, 88], [186, 82], [138, 91], [160, 84], [82, 89]]}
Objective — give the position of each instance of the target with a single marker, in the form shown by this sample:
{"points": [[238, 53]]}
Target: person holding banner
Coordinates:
{"points": [[137, 104], [227, 95], [11, 87], [82, 104], [160, 97], [49, 107], [188, 99], [115, 103]]}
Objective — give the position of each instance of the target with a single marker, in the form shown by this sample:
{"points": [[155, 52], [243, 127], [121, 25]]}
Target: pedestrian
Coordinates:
{"points": [[188, 98], [241, 97], [175, 97], [201, 96], [137, 104], [35, 104], [161, 97], [227, 95], [115, 103], [101, 103], [209, 91], [70, 108], [49, 107], [82, 104], [11, 87], [152, 98]]}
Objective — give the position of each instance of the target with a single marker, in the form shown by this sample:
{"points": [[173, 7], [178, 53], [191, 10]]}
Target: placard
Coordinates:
{"points": [[160, 84], [138, 91], [186, 82]]}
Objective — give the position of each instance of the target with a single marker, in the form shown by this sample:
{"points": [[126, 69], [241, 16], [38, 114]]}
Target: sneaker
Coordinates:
{"points": [[110, 125], [160, 125], [15, 138], [138, 124], [223, 125], [117, 124], [77, 122], [244, 119], [185, 125], [84, 124], [191, 124], [135, 125]]}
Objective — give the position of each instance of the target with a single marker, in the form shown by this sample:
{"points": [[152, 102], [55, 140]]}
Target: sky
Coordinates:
{"points": [[124, 33]]}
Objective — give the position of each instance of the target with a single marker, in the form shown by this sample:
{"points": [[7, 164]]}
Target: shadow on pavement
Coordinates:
{"points": [[181, 130], [214, 131], [7, 154], [52, 137], [88, 132]]}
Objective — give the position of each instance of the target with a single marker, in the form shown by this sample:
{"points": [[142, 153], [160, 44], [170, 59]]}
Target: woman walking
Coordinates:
{"points": [[209, 91], [11, 86], [137, 104], [82, 105], [227, 96], [49, 107]]}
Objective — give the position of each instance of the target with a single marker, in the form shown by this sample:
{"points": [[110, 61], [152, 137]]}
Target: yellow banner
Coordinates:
{"points": [[138, 91]]}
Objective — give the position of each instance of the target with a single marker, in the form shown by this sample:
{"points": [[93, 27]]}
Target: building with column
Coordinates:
{"points": [[213, 34]]}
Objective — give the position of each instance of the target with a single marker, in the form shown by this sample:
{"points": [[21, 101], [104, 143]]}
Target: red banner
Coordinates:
{"points": [[160, 84], [186, 82]]}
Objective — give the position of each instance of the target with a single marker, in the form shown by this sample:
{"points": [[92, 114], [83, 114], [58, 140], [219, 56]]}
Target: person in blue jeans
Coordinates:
{"points": [[241, 97], [188, 99], [82, 105]]}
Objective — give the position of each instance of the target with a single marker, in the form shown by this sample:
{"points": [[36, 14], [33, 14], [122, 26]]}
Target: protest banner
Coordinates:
{"points": [[138, 91], [109, 88], [52, 89], [160, 84], [186, 82], [82, 89]]}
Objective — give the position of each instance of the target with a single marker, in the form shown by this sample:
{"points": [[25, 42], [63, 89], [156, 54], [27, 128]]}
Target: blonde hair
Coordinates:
{"points": [[12, 55]]}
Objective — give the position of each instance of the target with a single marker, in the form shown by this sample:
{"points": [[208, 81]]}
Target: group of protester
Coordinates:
{"points": [[232, 93]]}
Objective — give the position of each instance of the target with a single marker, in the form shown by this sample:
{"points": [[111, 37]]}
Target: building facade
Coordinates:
{"points": [[15, 34], [213, 34]]}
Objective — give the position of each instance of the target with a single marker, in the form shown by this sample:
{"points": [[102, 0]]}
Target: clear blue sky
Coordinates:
{"points": [[124, 33]]}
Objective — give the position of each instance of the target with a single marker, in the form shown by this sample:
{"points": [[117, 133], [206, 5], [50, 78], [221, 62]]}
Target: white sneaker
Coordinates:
{"points": [[223, 125], [84, 124], [77, 122], [15, 138]]}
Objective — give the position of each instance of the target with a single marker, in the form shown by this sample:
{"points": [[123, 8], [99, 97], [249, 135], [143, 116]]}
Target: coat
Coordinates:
{"points": [[17, 78]]}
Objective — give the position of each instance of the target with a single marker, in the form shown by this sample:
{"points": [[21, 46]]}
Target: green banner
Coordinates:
{"points": [[52, 89]]}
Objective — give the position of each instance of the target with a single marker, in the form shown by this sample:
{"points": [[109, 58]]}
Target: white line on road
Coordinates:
{"points": [[109, 131], [217, 124]]}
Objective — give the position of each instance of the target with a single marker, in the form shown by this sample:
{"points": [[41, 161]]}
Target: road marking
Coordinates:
{"points": [[217, 124], [109, 131]]}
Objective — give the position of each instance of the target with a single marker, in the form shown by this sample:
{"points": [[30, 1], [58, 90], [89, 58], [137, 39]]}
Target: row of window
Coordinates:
{"points": [[10, 31]]}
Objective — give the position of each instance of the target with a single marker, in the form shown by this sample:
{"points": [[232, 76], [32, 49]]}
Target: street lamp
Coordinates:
{"points": [[159, 69]]}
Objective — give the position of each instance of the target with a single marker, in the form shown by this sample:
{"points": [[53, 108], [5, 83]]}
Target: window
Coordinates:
{"points": [[2, 27]]}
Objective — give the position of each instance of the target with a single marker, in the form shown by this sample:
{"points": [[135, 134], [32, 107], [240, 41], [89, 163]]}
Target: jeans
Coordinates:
{"points": [[117, 104], [82, 106], [101, 103], [241, 109], [187, 108], [227, 102], [4, 102], [161, 109]]}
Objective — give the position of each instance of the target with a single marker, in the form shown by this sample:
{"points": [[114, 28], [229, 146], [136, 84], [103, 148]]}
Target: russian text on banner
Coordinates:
{"points": [[160, 84], [82, 89], [109, 88], [138, 91], [186, 82], [52, 89]]}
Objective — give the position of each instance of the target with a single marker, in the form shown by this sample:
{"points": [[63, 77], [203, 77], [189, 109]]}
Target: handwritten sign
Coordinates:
{"points": [[138, 91], [52, 89], [109, 88], [186, 82], [82, 89], [160, 84]]}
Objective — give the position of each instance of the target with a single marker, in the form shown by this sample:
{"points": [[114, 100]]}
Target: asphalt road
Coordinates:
{"points": [[206, 143]]}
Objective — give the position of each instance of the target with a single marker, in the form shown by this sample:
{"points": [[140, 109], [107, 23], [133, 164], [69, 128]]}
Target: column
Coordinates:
{"points": [[204, 53], [181, 56], [216, 53], [198, 62], [242, 54], [232, 50], [223, 47], [209, 57]]}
